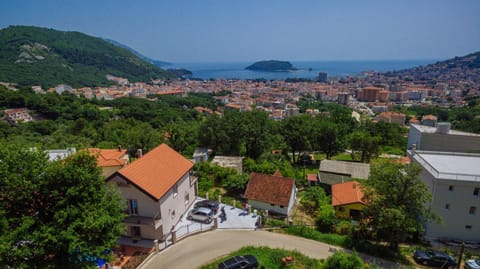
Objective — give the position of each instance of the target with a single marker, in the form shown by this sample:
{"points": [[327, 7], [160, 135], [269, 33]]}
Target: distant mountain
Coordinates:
{"points": [[271, 66], [465, 68], [39, 56], [141, 56]]}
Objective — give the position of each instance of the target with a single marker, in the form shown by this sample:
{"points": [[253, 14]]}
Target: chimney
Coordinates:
{"points": [[139, 153]]}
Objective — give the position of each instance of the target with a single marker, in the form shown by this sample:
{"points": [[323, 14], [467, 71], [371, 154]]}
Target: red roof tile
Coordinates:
{"points": [[269, 189], [347, 193], [429, 117], [109, 157], [157, 171]]}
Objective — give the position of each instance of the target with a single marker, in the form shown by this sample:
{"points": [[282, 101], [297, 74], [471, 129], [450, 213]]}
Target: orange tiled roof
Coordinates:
{"points": [[269, 189], [157, 171], [109, 157], [429, 117], [413, 120], [347, 193]]}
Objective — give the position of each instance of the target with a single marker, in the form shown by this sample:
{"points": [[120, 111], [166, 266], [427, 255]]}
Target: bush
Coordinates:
{"points": [[326, 218], [342, 260], [235, 182], [343, 227], [332, 239]]}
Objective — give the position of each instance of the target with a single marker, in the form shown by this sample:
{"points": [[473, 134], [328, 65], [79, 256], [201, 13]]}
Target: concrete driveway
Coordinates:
{"points": [[197, 250], [235, 219]]}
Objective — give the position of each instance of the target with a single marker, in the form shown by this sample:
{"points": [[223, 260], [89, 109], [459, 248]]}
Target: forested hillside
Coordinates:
{"points": [[40, 56]]}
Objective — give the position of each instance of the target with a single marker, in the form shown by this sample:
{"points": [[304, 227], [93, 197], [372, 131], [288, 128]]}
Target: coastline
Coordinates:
{"points": [[236, 70]]}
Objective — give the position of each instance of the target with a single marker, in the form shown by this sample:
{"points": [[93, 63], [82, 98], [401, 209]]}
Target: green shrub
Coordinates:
{"points": [[343, 227], [306, 232], [342, 260], [326, 218]]}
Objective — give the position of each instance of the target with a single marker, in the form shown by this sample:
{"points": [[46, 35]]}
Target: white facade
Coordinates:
{"points": [[454, 182], [429, 138], [284, 210], [151, 218]]}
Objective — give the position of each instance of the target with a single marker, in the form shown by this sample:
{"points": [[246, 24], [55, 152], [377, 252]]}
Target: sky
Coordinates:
{"points": [[251, 30]]}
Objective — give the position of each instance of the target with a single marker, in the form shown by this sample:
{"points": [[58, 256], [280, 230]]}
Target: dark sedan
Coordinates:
{"points": [[434, 258], [208, 204], [240, 262]]}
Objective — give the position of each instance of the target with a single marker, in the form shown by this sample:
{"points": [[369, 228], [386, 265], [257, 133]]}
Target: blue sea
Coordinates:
{"points": [[306, 69]]}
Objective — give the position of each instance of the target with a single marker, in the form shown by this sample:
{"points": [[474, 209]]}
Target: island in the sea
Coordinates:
{"points": [[272, 66]]}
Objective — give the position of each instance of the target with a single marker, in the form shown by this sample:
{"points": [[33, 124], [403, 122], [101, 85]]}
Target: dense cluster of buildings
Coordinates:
{"points": [[371, 93]]}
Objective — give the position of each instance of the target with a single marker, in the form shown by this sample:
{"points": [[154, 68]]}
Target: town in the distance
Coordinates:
{"points": [[108, 161]]}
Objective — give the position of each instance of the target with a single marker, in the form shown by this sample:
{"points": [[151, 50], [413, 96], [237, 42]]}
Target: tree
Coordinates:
{"points": [[329, 138], [297, 134], [180, 135], [257, 133], [314, 197], [235, 182], [363, 145], [391, 134], [54, 214], [326, 218], [396, 202], [343, 260]]}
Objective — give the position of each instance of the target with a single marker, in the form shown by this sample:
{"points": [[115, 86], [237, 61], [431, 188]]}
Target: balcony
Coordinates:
{"points": [[136, 220]]}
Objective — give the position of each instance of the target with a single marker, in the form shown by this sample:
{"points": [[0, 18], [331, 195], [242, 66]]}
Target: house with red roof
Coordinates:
{"points": [[429, 120], [158, 188], [271, 192], [16, 115], [347, 200], [110, 160]]}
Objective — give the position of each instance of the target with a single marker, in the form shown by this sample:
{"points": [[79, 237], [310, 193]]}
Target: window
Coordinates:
{"points": [[472, 210], [468, 226], [476, 191], [447, 206], [175, 190], [341, 209], [281, 206], [187, 198], [450, 188], [132, 207]]}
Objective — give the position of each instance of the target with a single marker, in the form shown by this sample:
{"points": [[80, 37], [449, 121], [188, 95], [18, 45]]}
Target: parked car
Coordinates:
{"points": [[240, 262], [472, 264], [201, 214], [208, 204], [434, 258]]}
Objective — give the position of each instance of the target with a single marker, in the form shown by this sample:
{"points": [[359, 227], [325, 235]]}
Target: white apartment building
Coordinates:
{"points": [[442, 138], [454, 182]]}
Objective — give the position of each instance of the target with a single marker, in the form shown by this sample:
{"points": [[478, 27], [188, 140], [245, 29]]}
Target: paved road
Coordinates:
{"points": [[197, 250]]}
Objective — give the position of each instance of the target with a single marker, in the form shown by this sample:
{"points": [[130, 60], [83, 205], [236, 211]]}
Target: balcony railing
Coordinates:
{"points": [[144, 220]]}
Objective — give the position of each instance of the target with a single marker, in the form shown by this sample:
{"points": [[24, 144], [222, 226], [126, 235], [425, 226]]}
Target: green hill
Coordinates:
{"points": [[40, 56]]}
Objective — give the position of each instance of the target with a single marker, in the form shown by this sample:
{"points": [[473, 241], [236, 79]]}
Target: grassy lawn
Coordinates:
{"points": [[270, 258], [342, 157]]}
